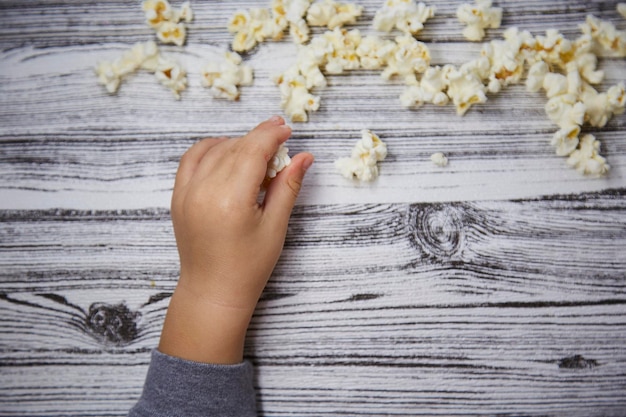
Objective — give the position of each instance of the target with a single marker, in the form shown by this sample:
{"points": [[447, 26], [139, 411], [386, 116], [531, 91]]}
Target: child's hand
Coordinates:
{"points": [[228, 243]]}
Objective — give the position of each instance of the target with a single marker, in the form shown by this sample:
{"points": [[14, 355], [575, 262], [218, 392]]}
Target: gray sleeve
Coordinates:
{"points": [[177, 387]]}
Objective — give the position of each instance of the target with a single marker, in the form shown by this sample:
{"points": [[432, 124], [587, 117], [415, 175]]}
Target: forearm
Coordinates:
{"points": [[199, 330]]}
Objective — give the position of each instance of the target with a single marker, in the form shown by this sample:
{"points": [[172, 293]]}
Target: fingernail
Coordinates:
{"points": [[307, 164], [275, 119]]}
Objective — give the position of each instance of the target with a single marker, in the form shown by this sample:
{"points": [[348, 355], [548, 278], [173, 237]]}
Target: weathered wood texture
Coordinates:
{"points": [[64, 135], [495, 286]]}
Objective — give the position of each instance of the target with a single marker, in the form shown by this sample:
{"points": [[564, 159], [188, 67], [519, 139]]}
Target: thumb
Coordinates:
{"points": [[283, 190]]}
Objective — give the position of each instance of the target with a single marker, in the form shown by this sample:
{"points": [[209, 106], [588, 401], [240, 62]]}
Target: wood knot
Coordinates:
{"points": [[437, 230], [577, 362], [112, 324]]}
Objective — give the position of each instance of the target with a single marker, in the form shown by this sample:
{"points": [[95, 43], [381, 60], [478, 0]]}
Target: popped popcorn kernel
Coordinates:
{"points": [[621, 9], [333, 14], [224, 78], [279, 161], [141, 55], [477, 18], [586, 158], [608, 41], [404, 15], [363, 162], [296, 100], [565, 140], [374, 52], [171, 75], [253, 26], [439, 159], [167, 21], [410, 57], [465, 89]]}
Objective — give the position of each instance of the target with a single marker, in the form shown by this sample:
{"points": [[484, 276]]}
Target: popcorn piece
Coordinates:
{"points": [[536, 74], [405, 15], [566, 140], [110, 74], [439, 159], [409, 57], [478, 17], [586, 158], [223, 78], [279, 161], [332, 14], [608, 41], [295, 97], [374, 53], [167, 21], [299, 31], [565, 110], [363, 164], [600, 107], [171, 75], [621, 9], [553, 48], [294, 12], [464, 89], [170, 32], [431, 89], [344, 56], [555, 84], [255, 25]]}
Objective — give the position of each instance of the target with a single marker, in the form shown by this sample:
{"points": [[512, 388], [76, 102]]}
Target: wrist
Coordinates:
{"points": [[200, 330]]}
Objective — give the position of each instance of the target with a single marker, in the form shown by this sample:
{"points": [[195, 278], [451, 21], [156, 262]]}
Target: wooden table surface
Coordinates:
{"points": [[494, 286]]}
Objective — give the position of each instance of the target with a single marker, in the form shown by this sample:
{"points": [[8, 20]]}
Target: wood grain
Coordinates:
{"points": [[495, 286], [498, 307], [64, 135]]}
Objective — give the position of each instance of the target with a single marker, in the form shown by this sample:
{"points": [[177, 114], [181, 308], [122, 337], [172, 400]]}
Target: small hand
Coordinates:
{"points": [[228, 243]]}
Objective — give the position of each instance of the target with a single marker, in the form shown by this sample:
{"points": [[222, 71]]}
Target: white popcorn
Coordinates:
{"points": [[565, 110], [279, 161], [536, 74], [224, 78], [608, 41], [157, 12], [141, 55], [566, 140], [405, 15], [478, 17], [464, 89], [374, 52], [363, 163], [439, 159], [431, 89], [506, 62], [170, 32], [553, 48], [555, 84], [600, 107], [296, 99], [343, 56], [167, 21], [332, 14], [299, 31], [410, 57], [255, 25], [621, 9], [171, 75], [586, 158]]}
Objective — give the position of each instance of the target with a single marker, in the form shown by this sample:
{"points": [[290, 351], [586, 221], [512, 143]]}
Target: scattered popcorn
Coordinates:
{"points": [[171, 75], [608, 41], [224, 78], [278, 162], [405, 15], [332, 14], [167, 21], [621, 9], [363, 164], [478, 17], [439, 159], [586, 158]]}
